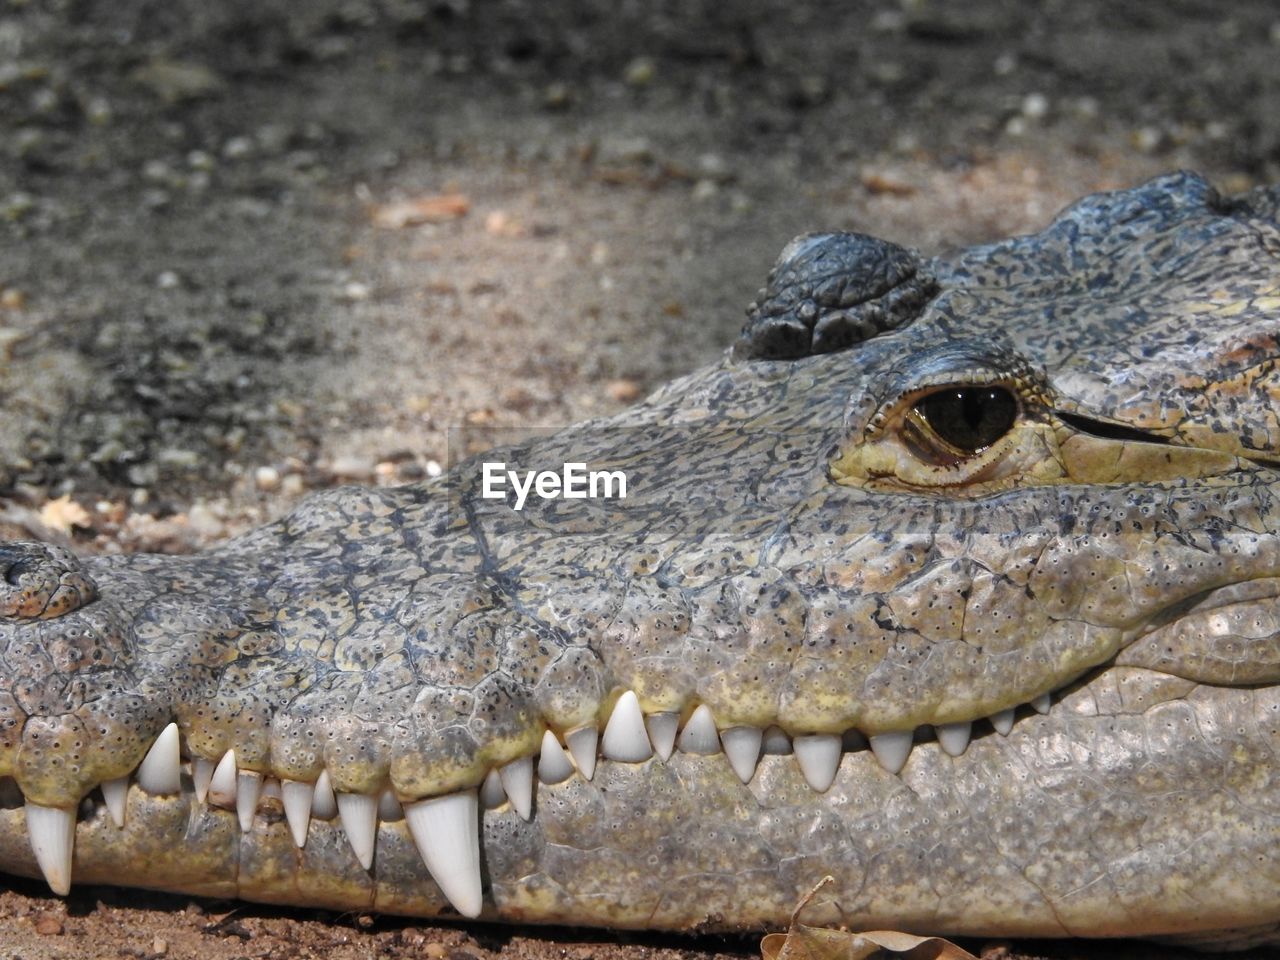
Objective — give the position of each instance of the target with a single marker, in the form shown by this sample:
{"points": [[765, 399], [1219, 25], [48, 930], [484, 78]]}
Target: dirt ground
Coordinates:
{"points": [[251, 248]]}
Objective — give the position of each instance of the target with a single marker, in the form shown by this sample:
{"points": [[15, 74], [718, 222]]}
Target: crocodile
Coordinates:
{"points": [[955, 579]]}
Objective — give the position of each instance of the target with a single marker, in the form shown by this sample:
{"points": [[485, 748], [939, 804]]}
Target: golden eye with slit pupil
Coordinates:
{"points": [[967, 420]]}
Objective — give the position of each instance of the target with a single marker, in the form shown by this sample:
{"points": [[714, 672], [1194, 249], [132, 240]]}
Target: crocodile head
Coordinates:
{"points": [[956, 580]]}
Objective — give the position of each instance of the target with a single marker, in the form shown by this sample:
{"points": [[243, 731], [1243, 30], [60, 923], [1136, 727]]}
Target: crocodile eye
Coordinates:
{"points": [[953, 424]]}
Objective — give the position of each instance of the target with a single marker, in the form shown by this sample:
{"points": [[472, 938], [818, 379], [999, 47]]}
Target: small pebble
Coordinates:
{"points": [[293, 485], [159, 946], [178, 459], [49, 927], [557, 96], [267, 479], [640, 72], [98, 111], [352, 468], [237, 148], [623, 391], [1147, 139], [434, 469], [1035, 106], [203, 520]]}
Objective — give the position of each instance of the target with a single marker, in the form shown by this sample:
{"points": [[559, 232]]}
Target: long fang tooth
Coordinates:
{"points": [[359, 813], [554, 765], [222, 785], [297, 798], [492, 793], [776, 741], [446, 831], [248, 785], [52, 833], [323, 806], [389, 809], [116, 793], [699, 734], [159, 771], [742, 747], [954, 737], [1003, 721], [201, 774], [582, 744], [1041, 703], [625, 738], [892, 749], [517, 780], [662, 729], [819, 759]]}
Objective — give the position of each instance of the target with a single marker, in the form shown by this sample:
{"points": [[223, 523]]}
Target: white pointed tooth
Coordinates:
{"points": [[201, 774], [742, 747], [893, 749], [1003, 721], [663, 728], [52, 834], [699, 734], [389, 809], [517, 780], [954, 737], [492, 793], [1041, 703], [446, 831], [323, 805], [160, 770], [582, 745], [359, 814], [625, 738], [776, 742], [819, 759], [248, 786], [296, 796], [554, 765], [116, 794], [222, 785]]}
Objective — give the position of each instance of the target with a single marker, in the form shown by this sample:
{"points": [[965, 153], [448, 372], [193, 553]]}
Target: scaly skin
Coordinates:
{"points": [[793, 551]]}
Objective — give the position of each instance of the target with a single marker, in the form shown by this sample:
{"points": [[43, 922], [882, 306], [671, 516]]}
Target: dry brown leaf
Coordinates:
{"points": [[887, 183], [63, 514], [804, 942], [440, 208]]}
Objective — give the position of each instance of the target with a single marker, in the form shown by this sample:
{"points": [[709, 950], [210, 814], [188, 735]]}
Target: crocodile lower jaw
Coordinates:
{"points": [[445, 829]]}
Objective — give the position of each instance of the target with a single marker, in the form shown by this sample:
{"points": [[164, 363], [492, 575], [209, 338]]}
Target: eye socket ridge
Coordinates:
{"points": [[952, 423]]}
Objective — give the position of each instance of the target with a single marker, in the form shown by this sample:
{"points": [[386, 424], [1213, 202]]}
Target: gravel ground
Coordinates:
{"points": [[253, 248]]}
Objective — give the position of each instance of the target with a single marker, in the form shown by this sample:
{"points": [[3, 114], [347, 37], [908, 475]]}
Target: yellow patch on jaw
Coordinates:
{"points": [[1089, 459]]}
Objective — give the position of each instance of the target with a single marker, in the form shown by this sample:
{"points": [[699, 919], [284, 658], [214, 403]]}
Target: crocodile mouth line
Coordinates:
{"points": [[446, 829]]}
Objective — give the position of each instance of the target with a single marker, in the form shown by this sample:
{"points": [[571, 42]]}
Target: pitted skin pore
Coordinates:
{"points": [[417, 637]]}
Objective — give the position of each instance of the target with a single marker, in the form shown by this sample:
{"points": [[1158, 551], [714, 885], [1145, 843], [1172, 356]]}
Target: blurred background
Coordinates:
{"points": [[255, 247]]}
